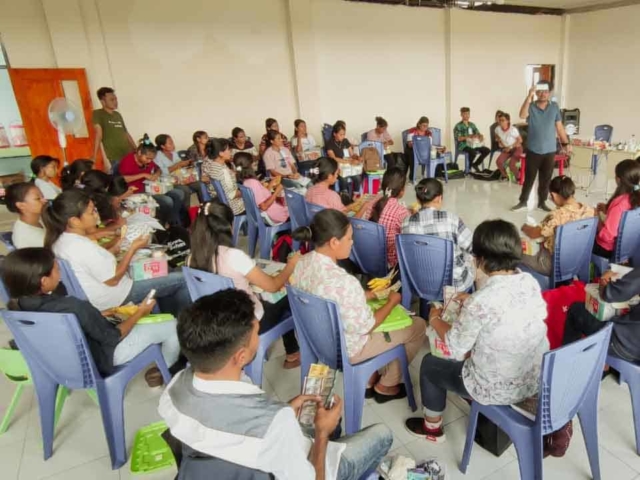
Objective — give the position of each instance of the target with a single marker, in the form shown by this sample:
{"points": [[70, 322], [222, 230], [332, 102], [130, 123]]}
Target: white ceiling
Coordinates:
{"points": [[565, 4]]}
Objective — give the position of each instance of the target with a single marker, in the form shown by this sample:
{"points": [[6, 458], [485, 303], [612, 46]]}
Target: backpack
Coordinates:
{"points": [[178, 244], [453, 172], [558, 301], [371, 159]]}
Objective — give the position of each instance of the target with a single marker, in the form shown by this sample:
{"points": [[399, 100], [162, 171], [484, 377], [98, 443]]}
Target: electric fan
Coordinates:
{"points": [[66, 118]]}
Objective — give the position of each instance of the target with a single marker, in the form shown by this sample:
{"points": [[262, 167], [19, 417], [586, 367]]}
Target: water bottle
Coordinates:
{"points": [[632, 144], [434, 152]]}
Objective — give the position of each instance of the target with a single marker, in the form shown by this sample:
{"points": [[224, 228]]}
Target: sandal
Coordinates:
{"points": [[291, 364], [153, 377], [382, 398]]}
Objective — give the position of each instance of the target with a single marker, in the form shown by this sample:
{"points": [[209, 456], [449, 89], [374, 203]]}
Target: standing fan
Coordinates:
{"points": [[66, 119]]}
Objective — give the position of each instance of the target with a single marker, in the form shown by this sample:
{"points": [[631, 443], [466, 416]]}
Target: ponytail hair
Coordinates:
{"points": [[324, 168], [381, 122], [215, 146], [57, 214], [628, 175], [72, 174], [428, 189], [326, 225], [212, 229], [145, 145], [244, 166], [392, 186], [22, 272]]}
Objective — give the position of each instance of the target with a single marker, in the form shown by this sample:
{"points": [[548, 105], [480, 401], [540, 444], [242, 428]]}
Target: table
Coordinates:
{"points": [[605, 160]]}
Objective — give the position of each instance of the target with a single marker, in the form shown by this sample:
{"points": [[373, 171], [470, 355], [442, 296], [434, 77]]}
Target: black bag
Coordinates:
{"points": [[453, 172], [396, 160], [490, 437], [178, 244], [487, 175]]}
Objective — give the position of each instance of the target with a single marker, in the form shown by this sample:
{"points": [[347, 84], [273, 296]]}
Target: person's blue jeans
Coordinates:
{"points": [[437, 376], [364, 451], [141, 336], [169, 210], [171, 292]]}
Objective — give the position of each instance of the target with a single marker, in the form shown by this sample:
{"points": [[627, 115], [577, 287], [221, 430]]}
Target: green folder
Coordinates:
{"points": [[398, 319]]}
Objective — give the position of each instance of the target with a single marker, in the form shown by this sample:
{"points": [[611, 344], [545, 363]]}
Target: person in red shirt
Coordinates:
{"points": [[139, 166]]}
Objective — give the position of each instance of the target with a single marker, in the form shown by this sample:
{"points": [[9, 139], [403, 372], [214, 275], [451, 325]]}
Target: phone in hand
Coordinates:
{"points": [[149, 299]]}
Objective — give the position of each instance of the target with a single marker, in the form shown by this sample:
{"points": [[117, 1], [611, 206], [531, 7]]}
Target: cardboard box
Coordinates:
{"points": [[530, 247], [144, 268], [159, 187], [600, 309], [438, 346]]}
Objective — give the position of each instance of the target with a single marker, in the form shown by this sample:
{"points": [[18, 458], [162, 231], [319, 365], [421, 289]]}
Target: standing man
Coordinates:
{"points": [[466, 134], [111, 132], [544, 122]]}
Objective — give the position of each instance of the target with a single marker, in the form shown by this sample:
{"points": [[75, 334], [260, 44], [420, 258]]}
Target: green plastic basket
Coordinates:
{"points": [[156, 318], [150, 452]]}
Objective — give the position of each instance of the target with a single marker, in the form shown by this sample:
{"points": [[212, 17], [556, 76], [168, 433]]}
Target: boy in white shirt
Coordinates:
{"points": [[510, 143], [45, 168]]}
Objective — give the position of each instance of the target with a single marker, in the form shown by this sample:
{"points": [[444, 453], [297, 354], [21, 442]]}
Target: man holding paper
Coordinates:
{"points": [[545, 122]]}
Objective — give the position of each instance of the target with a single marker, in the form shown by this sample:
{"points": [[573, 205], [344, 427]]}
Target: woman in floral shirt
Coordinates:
{"points": [[319, 274], [497, 341]]}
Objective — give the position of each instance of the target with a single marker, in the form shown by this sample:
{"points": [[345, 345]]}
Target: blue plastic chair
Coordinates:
{"points": [[297, 213], [71, 365], [238, 220], [204, 191], [569, 384], [630, 374], [602, 133], [258, 230], [4, 293], [627, 242], [426, 267], [373, 176], [436, 138], [363, 136], [327, 131], [572, 253], [458, 152], [69, 279], [405, 135], [369, 251], [321, 337], [202, 283], [6, 238], [422, 156], [312, 209]]}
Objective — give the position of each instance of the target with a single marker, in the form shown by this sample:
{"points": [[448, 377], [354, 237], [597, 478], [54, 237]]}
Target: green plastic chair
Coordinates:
{"points": [[14, 368]]}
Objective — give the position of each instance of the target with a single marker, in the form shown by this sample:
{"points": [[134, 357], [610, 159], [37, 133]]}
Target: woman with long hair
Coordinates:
{"points": [[27, 201], [71, 175], [170, 164], [213, 251], [216, 167]]}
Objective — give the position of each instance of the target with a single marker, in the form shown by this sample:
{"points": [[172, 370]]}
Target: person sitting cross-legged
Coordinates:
{"points": [[226, 424]]}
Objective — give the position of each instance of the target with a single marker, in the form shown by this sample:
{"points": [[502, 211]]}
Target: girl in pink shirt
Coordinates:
{"points": [[266, 198], [626, 197]]}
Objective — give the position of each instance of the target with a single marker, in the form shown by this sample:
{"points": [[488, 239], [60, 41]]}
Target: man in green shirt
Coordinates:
{"points": [[111, 132], [467, 136]]}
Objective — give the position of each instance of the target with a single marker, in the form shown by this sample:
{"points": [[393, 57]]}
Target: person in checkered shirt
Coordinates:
{"points": [[431, 220], [389, 212]]}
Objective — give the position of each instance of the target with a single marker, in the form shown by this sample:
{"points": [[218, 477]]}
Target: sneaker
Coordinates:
{"points": [[417, 426], [543, 207], [519, 207]]}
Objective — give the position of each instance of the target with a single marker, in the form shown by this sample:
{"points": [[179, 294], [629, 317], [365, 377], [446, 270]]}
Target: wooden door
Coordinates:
{"points": [[34, 89]]}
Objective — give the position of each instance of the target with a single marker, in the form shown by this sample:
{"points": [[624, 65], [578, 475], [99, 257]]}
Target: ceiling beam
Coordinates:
{"points": [[505, 8], [602, 6]]}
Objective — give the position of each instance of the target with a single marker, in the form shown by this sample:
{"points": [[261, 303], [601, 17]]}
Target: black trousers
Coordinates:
{"points": [[273, 315], [601, 251], [356, 182], [480, 152], [538, 164]]}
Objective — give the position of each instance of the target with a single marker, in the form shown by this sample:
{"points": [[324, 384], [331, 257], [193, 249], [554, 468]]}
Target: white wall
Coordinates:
{"points": [[604, 70], [489, 54]]}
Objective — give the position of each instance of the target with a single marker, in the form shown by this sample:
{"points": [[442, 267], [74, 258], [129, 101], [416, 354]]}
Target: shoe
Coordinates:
{"points": [[519, 207], [153, 377], [476, 168], [557, 443], [417, 426], [543, 207], [291, 364], [370, 392], [381, 398]]}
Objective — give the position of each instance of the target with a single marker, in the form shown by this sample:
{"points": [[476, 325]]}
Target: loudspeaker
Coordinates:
{"points": [[571, 120]]}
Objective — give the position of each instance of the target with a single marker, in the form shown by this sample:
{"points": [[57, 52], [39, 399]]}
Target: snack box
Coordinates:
{"points": [[185, 176], [144, 267], [159, 187], [530, 247], [600, 309]]}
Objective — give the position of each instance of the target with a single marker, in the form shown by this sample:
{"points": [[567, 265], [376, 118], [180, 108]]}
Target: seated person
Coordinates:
{"points": [[324, 176], [625, 337], [280, 163], [266, 197], [420, 130], [69, 220], [389, 212], [271, 124], [225, 422], [32, 276], [71, 175], [318, 273], [137, 167], [108, 193], [497, 341], [340, 149], [510, 144], [196, 152], [626, 197], [213, 251], [303, 144], [240, 143], [45, 168], [562, 191], [432, 220], [380, 133], [27, 201], [492, 132], [466, 134], [170, 164], [216, 168]]}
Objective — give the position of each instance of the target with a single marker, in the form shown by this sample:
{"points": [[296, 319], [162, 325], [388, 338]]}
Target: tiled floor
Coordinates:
{"points": [[80, 450]]}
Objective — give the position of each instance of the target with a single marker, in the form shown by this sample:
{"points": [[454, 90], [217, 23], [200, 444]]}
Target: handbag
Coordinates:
{"points": [[491, 437]]}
